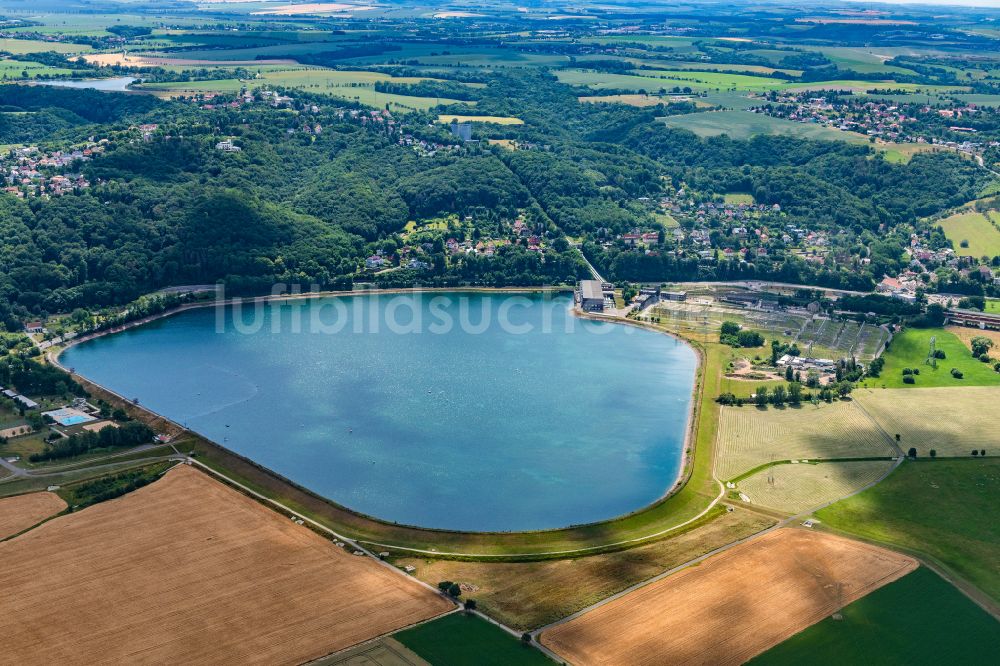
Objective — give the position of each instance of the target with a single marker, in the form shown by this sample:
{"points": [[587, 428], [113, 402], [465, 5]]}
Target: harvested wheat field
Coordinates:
{"points": [[187, 570], [733, 606], [21, 512]]}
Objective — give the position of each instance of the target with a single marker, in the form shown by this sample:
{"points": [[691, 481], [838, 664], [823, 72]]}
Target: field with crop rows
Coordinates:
{"points": [[528, 595], [750, 437], [732, 606], [22, 511], [187, 570], [800, 487], [953, 421]]}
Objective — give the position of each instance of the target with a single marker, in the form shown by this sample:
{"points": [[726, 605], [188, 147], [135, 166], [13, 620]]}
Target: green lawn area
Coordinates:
{"points": [[740, 124], [944, 508], [738, 198], [909, 350], [654, 80], [993, 305], [918, 619], [666, 220], [901, 153], [975, 230], [460, 640], [24, 446]]}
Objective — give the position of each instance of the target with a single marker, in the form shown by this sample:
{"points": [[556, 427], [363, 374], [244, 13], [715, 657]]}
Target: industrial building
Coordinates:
{"points": [[591, 296]]}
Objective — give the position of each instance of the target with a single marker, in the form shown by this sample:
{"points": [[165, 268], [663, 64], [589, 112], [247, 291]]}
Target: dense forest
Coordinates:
{"points": [[306, 208]]}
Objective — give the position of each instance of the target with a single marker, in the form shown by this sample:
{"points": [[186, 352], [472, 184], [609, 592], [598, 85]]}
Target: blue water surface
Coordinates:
{"points": [[476, 427]]}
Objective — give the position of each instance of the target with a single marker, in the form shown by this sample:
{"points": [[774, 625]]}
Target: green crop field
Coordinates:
{"points": [[980, 99], [711, 79], [20, 69], [655, 80], [701, 66], [750, 437], [916, 620], [910, 348], [20, 46], [803, 486], [351, 85], [740, 124], [858, 59], [975, 231], [460, 640], [951, 421], [901, 153], [944, 509]]}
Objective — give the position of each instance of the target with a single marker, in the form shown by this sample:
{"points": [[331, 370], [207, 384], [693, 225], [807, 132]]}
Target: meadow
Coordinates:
{"points": [[910, 348], [657, 80], [350, 85], [750, 436], [741, 124], [901, 153], [950, 420], [25, 69], [860, 59], [803, 486], [919, 620], [972, 233], [942, 509], [22, 46]]}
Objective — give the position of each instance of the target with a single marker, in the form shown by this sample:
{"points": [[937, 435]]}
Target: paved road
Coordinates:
{"points": [[13, 469]]}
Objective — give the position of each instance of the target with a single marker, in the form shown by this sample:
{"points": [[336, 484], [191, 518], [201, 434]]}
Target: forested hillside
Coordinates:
{"points": [[300, 206]]}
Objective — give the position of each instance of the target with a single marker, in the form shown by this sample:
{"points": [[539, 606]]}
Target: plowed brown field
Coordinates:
{"points": [[731, 607], [189, 571], [21, 512]]}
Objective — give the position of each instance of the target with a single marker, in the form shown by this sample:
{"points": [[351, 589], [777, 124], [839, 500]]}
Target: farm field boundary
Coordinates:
{"points": [[228, 557], [777, 585], [20, 512]]}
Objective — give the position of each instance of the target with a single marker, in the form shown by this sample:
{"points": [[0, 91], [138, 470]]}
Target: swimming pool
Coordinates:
{"points": [[69, 417]]}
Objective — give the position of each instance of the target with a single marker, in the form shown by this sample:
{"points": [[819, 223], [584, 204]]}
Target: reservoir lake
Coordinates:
{"points": [[517, 416]]}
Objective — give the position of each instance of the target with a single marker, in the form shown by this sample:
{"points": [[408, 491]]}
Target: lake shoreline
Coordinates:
{"points": [[686, 452]]}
